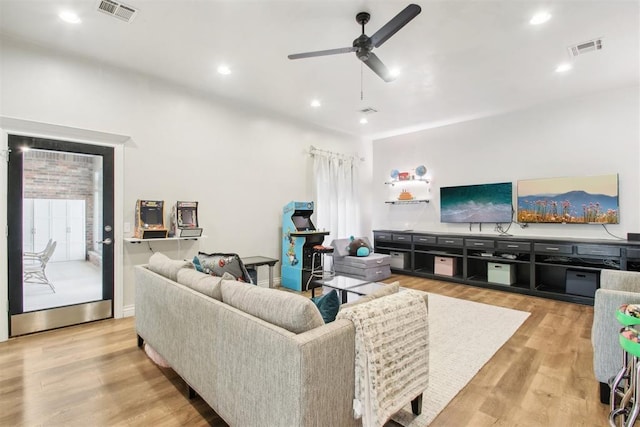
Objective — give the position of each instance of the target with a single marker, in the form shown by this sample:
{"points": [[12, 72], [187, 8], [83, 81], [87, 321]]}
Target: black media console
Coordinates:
{"points": [[559, 268]]}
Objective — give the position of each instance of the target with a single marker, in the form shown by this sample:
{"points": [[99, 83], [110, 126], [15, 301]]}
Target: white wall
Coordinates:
{"points": [[242, 165], [594, 134]]}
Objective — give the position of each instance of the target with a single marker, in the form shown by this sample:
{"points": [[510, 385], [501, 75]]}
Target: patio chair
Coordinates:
{"points": [[35, 264]]}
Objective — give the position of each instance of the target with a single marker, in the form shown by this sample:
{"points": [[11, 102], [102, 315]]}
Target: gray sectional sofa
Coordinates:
{"points": [[616, 288], [257, 356]]}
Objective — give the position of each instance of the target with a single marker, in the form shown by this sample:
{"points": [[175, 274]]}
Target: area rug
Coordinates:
{"points": [[486, 329]]}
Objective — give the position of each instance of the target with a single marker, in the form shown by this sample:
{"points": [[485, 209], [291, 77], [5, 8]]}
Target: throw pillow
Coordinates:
{"points": [[328, 304], [197, 265], [219, 263]]}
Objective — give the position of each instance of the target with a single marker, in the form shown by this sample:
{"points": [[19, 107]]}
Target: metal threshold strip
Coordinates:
{"points": [[36, 321]]}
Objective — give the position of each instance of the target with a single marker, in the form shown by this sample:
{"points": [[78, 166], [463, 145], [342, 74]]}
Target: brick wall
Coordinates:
{"points": [[54, 175]]}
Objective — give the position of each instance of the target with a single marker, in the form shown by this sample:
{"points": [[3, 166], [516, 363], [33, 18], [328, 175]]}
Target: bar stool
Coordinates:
{"points": [[318, 253], [626, 384]]}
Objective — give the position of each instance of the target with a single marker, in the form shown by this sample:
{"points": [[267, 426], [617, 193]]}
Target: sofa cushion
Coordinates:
{"points": [[201, 282], [287, 310], [167, 267], [328, 304]]}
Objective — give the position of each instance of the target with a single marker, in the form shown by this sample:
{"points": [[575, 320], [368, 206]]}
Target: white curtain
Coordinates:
{"points": [[337, 203]]}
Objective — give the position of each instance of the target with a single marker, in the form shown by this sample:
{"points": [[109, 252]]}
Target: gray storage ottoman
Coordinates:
{"points": [[371, 268]]}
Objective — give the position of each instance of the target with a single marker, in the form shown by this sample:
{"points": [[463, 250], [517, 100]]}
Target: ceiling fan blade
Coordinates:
{"points": [[322, 53], [393, 26], [379, 68]]}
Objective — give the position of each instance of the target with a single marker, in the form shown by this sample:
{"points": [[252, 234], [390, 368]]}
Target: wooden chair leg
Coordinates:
{"points": [[416, 405]]}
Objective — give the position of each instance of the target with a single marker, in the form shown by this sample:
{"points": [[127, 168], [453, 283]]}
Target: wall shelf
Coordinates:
{"points": [[136, 240], [403, 181], [407, 202]]}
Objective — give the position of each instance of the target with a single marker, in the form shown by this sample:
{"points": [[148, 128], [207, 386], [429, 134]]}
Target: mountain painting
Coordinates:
{"points": [[569, 200]]}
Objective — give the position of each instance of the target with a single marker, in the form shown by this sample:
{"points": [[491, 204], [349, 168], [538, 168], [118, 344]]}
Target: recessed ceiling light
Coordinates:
{"points": [[224, 70], [563, 67], [70, 17], [394, 72], [540, 18], [364, 121], [315, 103]]}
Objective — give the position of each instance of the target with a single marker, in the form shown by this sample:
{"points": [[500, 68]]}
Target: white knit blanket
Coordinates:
{"points": [[392, 354]]}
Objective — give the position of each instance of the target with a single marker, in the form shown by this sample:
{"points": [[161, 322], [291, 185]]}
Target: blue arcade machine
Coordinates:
{"points": [[299, 238]]}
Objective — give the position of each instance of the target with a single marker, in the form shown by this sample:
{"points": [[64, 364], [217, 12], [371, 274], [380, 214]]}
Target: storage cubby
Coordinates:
{"points": [[550, 278], [423, 263], [633, 259], [429, 252], [563, 269], [478, 271], [396, 243]]}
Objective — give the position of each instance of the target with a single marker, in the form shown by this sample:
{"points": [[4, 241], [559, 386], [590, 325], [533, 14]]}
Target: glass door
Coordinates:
{"points": [[60, 217]]}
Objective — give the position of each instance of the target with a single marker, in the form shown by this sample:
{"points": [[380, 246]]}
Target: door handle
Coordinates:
{"points": [[106, 241]]}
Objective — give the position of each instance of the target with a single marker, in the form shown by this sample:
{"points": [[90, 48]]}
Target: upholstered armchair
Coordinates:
{"points": [[616, 288]]}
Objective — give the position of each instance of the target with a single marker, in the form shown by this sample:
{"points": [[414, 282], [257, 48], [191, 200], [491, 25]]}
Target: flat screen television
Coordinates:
{"points": [[477, 203], [569, 200]]}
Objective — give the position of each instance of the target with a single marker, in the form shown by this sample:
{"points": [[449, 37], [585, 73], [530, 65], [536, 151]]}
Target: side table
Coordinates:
{"points": [[257, 261]]}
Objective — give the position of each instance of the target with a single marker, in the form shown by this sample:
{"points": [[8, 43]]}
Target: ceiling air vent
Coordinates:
{"points": [[368, 110], [586, 47], [117, 10]]}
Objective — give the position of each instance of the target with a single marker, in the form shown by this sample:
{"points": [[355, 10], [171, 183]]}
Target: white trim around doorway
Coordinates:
{"points": [[14, 126]]}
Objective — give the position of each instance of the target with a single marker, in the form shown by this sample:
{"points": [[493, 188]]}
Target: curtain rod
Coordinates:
{"points": [[313, 151]]}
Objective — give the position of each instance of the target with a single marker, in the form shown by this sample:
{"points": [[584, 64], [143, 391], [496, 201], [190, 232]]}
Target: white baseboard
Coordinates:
{"points": [[129, 311]]}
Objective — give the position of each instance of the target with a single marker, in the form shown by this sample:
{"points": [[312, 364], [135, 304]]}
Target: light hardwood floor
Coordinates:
{"points": [[95, 374]]}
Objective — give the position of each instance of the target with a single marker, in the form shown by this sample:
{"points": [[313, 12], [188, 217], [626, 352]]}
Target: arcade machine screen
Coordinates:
{"points": [[187, 217], [151, 216], [302, 223], [184, 220]]}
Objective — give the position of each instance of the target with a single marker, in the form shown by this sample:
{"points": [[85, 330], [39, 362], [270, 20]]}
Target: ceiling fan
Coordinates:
{"points": [[364, 44]]}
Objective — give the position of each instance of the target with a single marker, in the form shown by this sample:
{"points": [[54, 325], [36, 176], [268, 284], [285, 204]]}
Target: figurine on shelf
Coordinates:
{"points": [[405, 195]]}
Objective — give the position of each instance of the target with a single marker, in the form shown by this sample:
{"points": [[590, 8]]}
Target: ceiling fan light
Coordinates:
{"points": [[70, 17], [394, 72], [563, 68], [224, 70], [315, 103], [540, 18], [364, 121]]}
